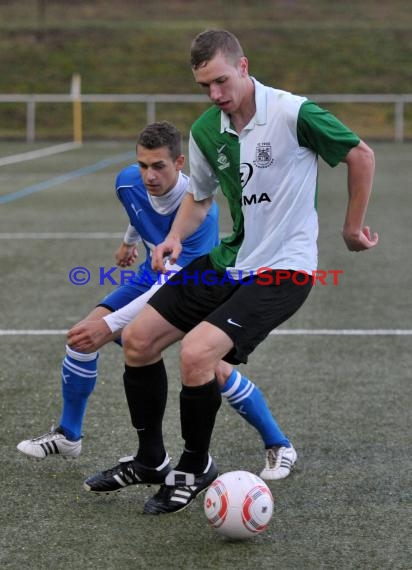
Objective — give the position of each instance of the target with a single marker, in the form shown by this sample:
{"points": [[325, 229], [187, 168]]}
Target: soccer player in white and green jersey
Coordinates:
{"points": [[260, 146], [150, 191]]}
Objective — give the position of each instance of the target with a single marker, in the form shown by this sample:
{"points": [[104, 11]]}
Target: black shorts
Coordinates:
{"points": [[247, 311]]}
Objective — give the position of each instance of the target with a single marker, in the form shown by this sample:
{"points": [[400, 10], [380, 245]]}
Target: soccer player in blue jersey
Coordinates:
{"points": [[150, 192], [260, 147]]}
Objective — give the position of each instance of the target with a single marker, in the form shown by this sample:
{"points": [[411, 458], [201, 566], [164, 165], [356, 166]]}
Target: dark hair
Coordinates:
{"points": [[160, 134], [208, 43]]}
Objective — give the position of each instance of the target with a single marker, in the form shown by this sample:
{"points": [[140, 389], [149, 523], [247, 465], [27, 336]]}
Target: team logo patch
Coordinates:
{"points": [[263, 156], [222, 159]]}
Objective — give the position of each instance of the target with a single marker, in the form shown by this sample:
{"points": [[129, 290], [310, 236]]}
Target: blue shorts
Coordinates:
{"points": [[123, 295]]}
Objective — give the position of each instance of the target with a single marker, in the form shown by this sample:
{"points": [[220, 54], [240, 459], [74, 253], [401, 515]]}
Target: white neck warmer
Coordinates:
{"points": [[169, 202]]}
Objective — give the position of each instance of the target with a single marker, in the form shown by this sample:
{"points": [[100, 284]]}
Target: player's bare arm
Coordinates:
{"points": [[89, 336], [190, 215], [361, 167]]}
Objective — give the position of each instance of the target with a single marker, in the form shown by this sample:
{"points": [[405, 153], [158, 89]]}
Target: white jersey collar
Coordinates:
{"points": [[259, 118]]}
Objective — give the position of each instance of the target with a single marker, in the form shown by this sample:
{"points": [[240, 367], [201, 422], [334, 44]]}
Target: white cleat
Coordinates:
{"points": [[52, 443], [279, 463]]}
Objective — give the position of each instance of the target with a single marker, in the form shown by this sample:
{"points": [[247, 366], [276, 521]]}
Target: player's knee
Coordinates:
{"points": [[192, 356], [136, 345]]}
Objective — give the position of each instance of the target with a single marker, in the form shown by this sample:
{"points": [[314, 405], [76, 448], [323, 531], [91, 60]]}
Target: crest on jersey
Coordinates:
{"points": [[263, 156], [222, 159]]}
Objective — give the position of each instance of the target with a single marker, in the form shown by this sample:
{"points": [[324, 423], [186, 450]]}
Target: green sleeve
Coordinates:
{"points": [[323, 133]]}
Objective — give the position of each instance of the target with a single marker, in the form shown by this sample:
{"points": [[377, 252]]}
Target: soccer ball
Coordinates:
{"points": [[238, 504]]}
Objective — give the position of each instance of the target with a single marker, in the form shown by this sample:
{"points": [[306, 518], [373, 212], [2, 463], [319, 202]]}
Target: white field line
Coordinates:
{"points": [[282, 332], [66, 235], [343, 332], [39, 153], [60, 235], [28, 332]]}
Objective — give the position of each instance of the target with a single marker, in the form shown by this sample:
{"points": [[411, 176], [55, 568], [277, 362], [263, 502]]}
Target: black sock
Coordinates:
{"points": [[198, 408], [146, 393]]}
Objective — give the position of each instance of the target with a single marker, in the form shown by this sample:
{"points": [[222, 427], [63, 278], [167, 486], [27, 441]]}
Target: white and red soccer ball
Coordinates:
{"points": [[238, 504]]}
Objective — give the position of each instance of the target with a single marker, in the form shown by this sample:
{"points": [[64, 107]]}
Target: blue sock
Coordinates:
{"points": [[79, 374], [246, 398]]}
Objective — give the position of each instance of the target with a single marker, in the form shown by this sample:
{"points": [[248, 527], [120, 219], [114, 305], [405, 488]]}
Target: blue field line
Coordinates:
{"points": [[66, 177]]}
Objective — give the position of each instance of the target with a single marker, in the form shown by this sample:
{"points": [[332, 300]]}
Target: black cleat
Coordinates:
{"points": [[129, 471], [179, 490]]}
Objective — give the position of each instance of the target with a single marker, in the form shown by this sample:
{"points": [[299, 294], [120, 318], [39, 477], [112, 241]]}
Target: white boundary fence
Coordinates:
{"points": [[399, 101]]}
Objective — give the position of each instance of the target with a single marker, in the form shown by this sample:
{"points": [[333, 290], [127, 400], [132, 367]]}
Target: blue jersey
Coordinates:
{"points": [[153, 226]]}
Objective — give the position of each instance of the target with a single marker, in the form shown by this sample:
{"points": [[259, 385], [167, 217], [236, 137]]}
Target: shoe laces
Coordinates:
{"points": [[48, 435], [273, 457]]}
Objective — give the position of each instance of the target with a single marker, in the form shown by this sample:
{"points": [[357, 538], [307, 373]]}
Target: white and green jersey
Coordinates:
{"points": [[268, 173]]}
